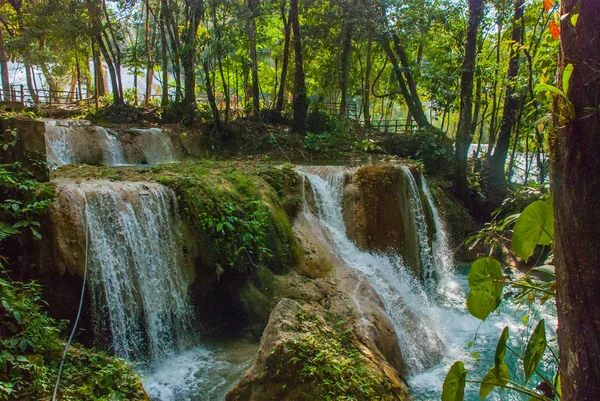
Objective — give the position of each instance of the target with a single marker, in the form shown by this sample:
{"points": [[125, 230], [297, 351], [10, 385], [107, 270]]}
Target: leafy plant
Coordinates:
{"points": [[533, 227]]}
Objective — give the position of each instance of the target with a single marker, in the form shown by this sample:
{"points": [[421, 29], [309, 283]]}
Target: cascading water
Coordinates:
{"points": [[428, 269], [77, 141], [156, 145], [433, 327], [138, 284], [442, 254], [405, 300]]}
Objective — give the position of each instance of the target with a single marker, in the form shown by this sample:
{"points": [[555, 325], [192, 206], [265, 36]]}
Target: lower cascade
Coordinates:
{"points": [[135, 267]]}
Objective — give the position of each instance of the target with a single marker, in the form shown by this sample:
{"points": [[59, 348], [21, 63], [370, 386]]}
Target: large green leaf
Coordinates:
{"points": [[485, 284], [454, 383], [501, 348], [534, 227], [498, 375], [534, 350]]}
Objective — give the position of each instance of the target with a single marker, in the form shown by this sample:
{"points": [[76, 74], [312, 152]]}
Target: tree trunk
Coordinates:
{"points": [[495, 99], [511, 106], [346, 47], [575, 185], [285, 60], [366, 102], [300, 97], [464, 136], [149, 55], [188, 56], [4, 67], [252, 7], [210, 94], [164, 100]]}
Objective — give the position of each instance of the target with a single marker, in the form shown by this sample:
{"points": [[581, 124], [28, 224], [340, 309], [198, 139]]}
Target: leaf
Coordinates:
{"points": [[496, 376], [548, 5], [454, 383], [501, 348], [485, 284], [574, 19], [534, 227], [554, 29], [566, 77], [534, 350], [548, 88]]}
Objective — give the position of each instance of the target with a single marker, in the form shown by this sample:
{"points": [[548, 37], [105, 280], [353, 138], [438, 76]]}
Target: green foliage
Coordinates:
{"points": [[485, 283], [31, 349], [499, 374], [535, 226], [327, 361], [454, 383], [536, 346], [24, 200], [367, 145], [430, 147]]}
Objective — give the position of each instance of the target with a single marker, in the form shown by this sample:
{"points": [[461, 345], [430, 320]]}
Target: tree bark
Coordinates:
{"points": [[366, 101], [149, 54], [252, 7], [4, 67], [300, 97], [464, 136], [511, 106], [346, 48], [285, 60], [164, 100], [575, 185], [188, 56]]}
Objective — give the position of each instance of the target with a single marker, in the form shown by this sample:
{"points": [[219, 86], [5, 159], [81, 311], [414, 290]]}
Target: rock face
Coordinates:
{"points": [[325, 309], [378, 214]]}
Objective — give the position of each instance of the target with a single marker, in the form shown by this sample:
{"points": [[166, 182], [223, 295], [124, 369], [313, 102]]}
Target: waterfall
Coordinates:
{"points": [[138, 285], [77, 141], [156, 145], [442, 254], [405, 300], [428, 267]]}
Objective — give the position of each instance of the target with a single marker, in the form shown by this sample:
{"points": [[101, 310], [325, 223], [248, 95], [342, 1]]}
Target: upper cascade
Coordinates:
{"points": [[136, 267], [79, 142]]}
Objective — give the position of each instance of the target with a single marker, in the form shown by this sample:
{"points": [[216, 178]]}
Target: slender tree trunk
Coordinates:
{"points": [[346, 48], [285, 60], [165, 59], [495, 99], [4, 68], [511, 106], [252, 7], [189, 54], [211, 97], [464, 136], [99, 81], [300, 97], [149, 54], [575, 185], [366, 100]]}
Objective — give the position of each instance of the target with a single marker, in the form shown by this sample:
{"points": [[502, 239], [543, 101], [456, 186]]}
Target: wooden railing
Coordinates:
{"points": [[19, 94]]}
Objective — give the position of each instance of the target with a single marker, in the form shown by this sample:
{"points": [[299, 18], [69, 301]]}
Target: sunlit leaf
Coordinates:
{"points": [[534, 227], [534, 350], [485, 284], [566, 77], [454, 383]]}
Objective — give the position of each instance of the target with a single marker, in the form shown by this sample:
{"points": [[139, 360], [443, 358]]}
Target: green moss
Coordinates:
{"points": [[236, 209], [325, 364]]}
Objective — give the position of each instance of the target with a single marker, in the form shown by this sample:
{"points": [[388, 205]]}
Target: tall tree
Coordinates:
{"points": [[194, 12], [346, 48], [464, 136], [4, 67], [285, 58], [511, 105], [253, 9], [575, 183], [300, 97]]}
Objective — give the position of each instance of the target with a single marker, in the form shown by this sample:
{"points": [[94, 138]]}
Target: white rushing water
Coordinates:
{"points": [[77, 141], [406, 301], [433, 327], [139, 286], [156, 145]]}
